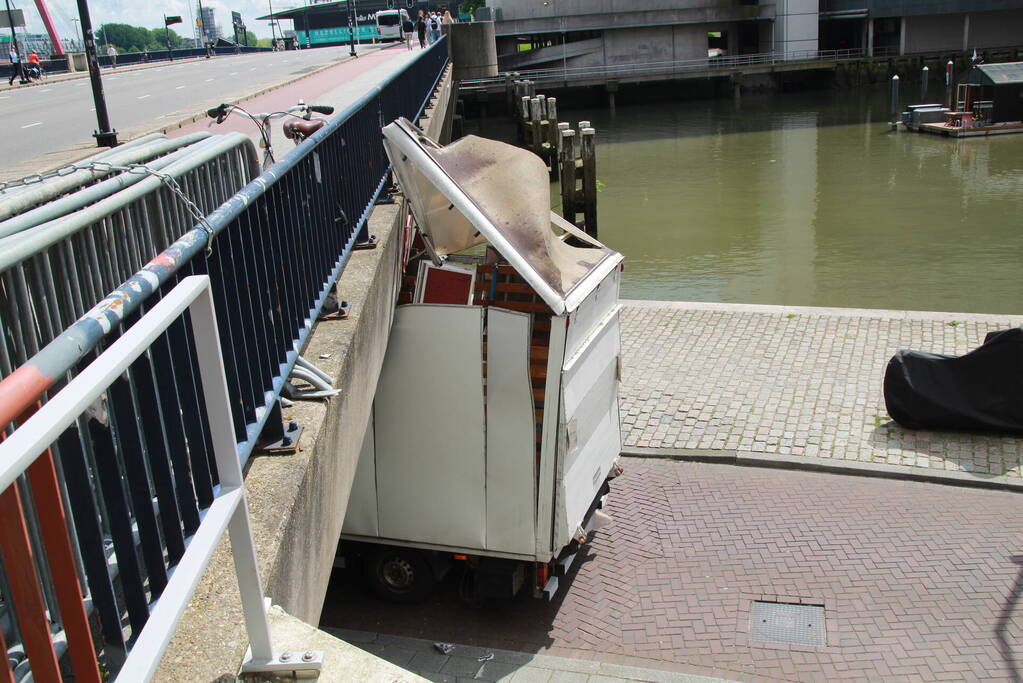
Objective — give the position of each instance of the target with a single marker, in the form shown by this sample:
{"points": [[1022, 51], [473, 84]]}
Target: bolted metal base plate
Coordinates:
{"points": [[780, 622], [286, 446], [310, 660]]}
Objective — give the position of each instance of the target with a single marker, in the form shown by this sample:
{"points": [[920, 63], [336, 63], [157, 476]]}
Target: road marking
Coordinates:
{"points": [[233, 73], [37, 123], [45, 90], [92, 108], [207, 80], [179, 87], [142, 97], [79, 85], [5, 97]]}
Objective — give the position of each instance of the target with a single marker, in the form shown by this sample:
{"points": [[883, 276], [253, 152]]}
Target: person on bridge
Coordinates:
{"points": [[16, 68], [112, 53], [407, 29], [421, 29]]}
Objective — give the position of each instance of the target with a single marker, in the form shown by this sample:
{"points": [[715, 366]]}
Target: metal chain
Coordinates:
{"points": [[104, 167]]}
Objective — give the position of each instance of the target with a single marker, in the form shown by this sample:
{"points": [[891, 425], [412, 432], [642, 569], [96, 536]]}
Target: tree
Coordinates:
{"points": [[128, 38], [250, 39], [469, 6]]}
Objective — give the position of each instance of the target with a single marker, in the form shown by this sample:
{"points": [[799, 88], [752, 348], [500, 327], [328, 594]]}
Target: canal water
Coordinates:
{"points": [[808, 199]]}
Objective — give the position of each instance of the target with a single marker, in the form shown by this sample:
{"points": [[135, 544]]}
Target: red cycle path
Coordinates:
{"points": [[320, 88]]}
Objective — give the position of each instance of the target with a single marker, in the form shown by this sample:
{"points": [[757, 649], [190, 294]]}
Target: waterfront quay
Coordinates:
{"points": [[796, 386]]}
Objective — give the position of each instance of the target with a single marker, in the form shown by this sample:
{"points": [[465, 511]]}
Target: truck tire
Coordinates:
{"points": [[400, 575]]}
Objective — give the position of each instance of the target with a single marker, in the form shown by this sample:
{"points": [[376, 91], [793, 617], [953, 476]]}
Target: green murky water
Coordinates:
{"points": [[808, 199]]}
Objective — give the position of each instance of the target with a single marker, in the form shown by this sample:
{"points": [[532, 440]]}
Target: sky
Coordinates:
{"points": [[149, 14]]}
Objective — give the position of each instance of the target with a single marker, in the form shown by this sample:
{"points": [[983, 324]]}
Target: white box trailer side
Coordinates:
{"points": [[495, 423]]}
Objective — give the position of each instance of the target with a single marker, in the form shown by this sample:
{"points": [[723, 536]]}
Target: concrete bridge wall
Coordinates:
{"points": [[297, 502]]}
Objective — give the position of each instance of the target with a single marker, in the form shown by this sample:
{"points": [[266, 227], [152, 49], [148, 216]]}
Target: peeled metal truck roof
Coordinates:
{"points": [[476, 190]]}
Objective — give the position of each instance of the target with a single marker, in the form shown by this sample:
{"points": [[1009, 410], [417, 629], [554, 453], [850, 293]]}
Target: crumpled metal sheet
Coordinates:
{"points": [[510, 186]]}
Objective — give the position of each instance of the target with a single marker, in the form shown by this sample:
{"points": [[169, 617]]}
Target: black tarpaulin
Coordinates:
{"points": [[981, 390]]}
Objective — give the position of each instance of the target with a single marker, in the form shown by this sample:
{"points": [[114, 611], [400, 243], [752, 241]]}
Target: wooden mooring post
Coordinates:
{"points": [[578, 162], [570, 158]]}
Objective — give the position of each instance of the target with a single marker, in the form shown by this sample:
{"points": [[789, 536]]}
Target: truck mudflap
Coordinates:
{"points": [[548, 574]]}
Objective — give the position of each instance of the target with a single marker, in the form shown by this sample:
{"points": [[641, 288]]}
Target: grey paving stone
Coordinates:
{"points": [[461, 666], [793, 381], [530, 674], [427, 661]]}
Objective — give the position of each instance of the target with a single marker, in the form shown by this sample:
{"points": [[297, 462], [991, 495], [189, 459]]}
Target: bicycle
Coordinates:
{"points": [[296, 131]]}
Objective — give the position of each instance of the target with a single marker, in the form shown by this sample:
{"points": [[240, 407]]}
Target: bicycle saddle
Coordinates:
{"points": [[300, 130]]}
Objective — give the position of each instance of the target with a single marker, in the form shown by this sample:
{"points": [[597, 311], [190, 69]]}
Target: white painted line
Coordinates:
{"points": [[92, 108], [233, 73], [45, 90], [79, 85], [5, 97], [179, 87], [207, 80], [142, 97], [37, 123]]}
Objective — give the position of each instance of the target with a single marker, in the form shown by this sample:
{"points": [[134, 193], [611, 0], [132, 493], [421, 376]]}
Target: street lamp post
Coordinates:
{"points": [[105, 135], [273, 32], [14, 41], [352, 25]]}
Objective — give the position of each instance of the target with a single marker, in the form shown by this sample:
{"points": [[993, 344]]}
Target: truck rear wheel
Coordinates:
{"points": [[400, 575]]}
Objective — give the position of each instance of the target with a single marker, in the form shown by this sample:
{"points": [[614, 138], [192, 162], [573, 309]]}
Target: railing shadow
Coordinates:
{"points": [[1002, 624]]}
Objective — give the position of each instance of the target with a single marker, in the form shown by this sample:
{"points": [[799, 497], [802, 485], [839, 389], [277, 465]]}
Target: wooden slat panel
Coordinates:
{"points": [[524, 306], [61, 560], [25, 589]]}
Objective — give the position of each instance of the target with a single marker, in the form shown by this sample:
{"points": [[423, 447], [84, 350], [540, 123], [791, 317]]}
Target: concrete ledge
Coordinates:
{"points": [[342, 663], [820, 310], [817, 464]]}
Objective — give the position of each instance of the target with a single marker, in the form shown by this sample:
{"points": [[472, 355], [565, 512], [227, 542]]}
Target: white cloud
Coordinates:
{"points": [[150, 14]]}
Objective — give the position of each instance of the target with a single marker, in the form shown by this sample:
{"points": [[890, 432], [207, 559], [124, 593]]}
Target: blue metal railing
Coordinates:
{"points": [[140, 467]]}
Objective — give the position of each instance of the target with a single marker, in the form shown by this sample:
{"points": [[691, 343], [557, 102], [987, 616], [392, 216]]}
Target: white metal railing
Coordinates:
{"points": [[666, 67], [228, 510]]}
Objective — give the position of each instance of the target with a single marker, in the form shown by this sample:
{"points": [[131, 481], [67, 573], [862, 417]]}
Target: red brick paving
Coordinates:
{"points": [[919, 581]]}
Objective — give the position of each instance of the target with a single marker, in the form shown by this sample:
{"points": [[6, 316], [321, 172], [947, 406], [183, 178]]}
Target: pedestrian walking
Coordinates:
{"points": [[112, 53], [434, 28], [407, 29], [16, 66], [447, 18], [421, 29]]}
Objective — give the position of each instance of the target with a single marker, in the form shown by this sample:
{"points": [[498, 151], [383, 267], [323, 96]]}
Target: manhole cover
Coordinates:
{"points": [[781, 622]]}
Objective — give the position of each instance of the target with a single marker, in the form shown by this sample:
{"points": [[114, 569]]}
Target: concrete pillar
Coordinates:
{"points": [[902, 36], [473, 49], [870, 37], [966, 32]]}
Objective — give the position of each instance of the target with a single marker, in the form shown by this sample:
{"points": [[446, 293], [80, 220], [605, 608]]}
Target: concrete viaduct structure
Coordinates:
{"points": [[538, 34]]}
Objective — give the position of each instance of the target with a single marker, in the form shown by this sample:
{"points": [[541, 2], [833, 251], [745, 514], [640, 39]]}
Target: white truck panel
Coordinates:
{"points": [[511, 446], [361, 517], [431, 442], [592, 311], [590, 420], [549, 442]]}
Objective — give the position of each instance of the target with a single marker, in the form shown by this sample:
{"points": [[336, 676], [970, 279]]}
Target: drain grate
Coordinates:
{"points": [[781, 622]]}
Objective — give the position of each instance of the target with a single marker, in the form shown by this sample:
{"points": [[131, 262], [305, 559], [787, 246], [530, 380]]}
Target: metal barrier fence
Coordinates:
{"points": [[61, 421], [53, 271], [56, 66], [141, 459]]}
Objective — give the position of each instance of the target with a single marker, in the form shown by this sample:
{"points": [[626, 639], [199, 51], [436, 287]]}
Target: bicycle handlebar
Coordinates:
{"points": [[320, 109]]}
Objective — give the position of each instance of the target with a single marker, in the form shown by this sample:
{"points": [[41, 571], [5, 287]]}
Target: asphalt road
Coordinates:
{"points": [[61, 115]]}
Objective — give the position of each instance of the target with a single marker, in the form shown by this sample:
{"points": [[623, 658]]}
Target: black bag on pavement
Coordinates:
{"points": [[981, 390]]}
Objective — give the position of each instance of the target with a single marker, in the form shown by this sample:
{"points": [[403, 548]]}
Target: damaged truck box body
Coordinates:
{"points": [[495, 423]]}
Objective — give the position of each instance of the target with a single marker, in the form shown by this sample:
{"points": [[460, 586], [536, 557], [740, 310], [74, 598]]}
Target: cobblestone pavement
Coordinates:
{"points": [[918, 581], [792, 381]]}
